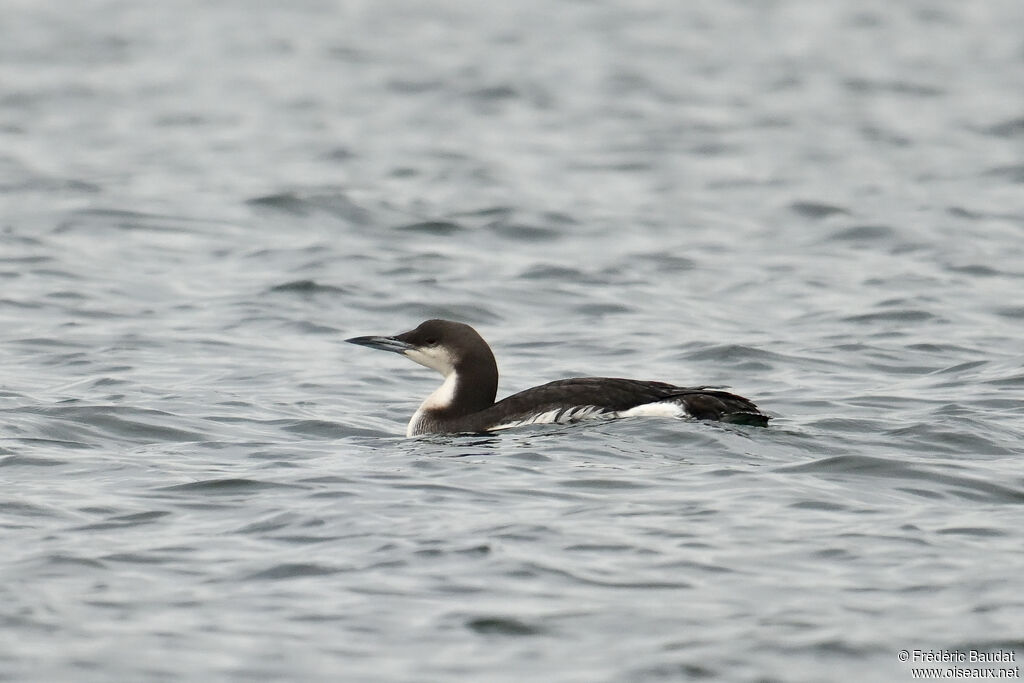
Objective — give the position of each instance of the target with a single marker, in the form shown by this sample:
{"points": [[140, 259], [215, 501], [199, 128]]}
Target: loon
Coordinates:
{"points": [[464, 403]]}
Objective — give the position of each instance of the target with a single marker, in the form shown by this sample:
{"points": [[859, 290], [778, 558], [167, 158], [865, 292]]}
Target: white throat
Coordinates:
{"points": [[440, 399], [433, 357]]}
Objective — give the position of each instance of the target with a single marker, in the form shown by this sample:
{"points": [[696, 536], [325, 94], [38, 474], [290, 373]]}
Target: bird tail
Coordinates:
{"points": [[752, 419]]}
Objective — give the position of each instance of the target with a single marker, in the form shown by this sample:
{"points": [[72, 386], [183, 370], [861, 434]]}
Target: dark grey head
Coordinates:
{"points": [[457, 352], [443, 345]]}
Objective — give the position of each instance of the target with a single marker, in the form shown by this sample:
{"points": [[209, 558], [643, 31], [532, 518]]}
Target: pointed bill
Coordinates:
{"points": [[382, 343]]}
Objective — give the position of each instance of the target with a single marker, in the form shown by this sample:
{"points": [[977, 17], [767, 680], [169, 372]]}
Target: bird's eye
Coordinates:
{"points": [[431, 342]]}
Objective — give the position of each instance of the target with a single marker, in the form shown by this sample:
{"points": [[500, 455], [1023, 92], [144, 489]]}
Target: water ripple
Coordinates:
{"points": [[200, 204]]}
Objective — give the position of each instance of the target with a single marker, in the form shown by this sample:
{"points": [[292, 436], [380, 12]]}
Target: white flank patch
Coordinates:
{"points": [[557, 416], [565, 416], [660, 409]]}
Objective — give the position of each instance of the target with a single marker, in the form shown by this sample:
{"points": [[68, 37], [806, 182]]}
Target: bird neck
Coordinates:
{"points": [[469, 388]]}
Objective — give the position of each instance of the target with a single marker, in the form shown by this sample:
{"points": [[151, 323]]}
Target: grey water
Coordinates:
{"points": [[818, 205]]}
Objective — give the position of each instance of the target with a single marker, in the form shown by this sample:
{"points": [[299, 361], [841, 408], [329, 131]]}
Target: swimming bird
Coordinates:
{"points": [[465, 400]]}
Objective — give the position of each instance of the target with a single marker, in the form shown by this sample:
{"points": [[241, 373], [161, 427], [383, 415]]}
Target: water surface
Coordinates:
{"points": [[818, 205]]}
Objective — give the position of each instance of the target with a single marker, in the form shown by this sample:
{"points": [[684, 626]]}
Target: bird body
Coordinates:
{"points": [[465, 400]]}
